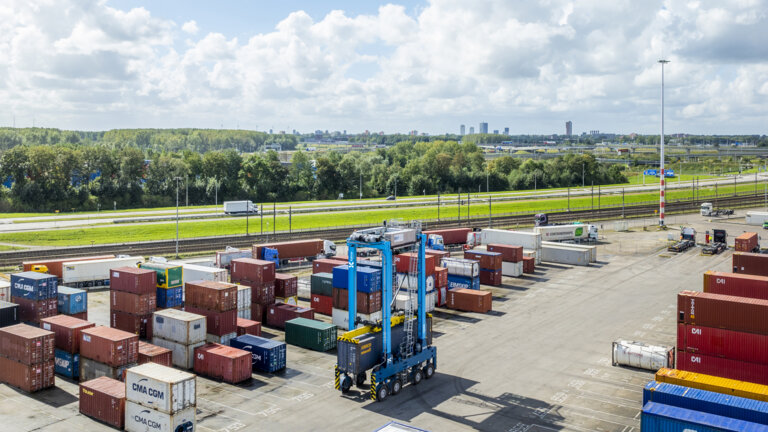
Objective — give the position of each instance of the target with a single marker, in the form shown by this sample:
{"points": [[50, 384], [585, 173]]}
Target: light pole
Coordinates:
{"points": [[177, 216], [582, 174], [662, 185]]}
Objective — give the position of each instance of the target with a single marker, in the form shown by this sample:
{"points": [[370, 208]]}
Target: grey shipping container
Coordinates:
{"points": [[91, 369]]}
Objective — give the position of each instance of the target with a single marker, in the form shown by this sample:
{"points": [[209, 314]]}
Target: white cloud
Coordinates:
{"points": [[190, 27]]}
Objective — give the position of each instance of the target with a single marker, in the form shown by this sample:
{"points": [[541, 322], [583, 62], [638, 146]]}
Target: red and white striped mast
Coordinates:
{"points": [[663, 185]]}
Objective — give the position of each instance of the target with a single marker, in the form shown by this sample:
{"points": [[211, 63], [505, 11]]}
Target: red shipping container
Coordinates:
{"points": [[722, 367], [262, 293], [326, 265], [254, 270], [155, 354], [246, 326], [747, 242], [110, 346], [341, 259], [367, 303], [222, 362], [32, 311], [442, 294], [29, 378], [441, 277], [56, 267], [750, 263], [469, 300], [322, 304], [104, 399], [258, 312], [451, 236], [292, 249], [403, 263], [133, 280], [508, 253], [723, 311], [490, 262], [217, 323], [136, 304], [278, 314], [736, 284], [217, 296], [439, 255], [66, 330], [529, 265], [82, 315], [748, 347], [286, 285], [27, 344], [488, 277], [140, 325]]}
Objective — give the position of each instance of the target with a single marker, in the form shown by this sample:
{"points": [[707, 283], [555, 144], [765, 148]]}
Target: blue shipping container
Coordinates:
{"points": [[34, 286], [368, 279], [658, 417], [266, 355], [465, 282], [170, 297], [705, 401], [72, 300], [66, 364]]}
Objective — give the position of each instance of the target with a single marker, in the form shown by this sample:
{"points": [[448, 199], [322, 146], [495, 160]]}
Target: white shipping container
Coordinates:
{"points": [[405, 281], [640, 355], [224, 258], [160, 387], [756, 218], [564, 255], [182, 356], [340, 318], [461, 267], [193, 272], [512, 269], [203, 261], [243, 297], [527, 240], [78, 274], [563, 232], [224, 340], [179, 326], [244, 313], [536, 254], [5, 290], [430, 299], [592, 249], [140, 419]]}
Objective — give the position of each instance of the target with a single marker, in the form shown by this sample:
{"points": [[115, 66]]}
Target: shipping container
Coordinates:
{"points": [[27, 344], [747, 242], [451, 236], [641, 355], [405, 262], [5, 290], [565, 255], [404, 282], [243, 297], [750, 263], [469, 300], [161, 388], [223, 339], [244, 313], [664, 418], [441, 277], [216, 323], [322, 284], [736, 284], [262, 293], [322, 304], [109, 345], [713, 383], [266, 355], [133, 280], [367, 303], [95, 273], [224, 258], [155, 354], [179, 326], [463, 282], [252, 270], [34, 286], [592, 250], [66, 364], [529, 265], [9, 314], [168, 275], [513, 269], [368, 279], [528, 240], [748, 347], [29, 378], [313, 248], [286, 285], [259, 312], [732, 369], [722, 311], [182, 355], [32, 311], [71, 300], [278, 314], [215, 296], [246, 326], [169, 297], [756, 218], [221, 362], [140, 419], [56, 266], [104, 400], [92, 369], [310, 334], [136, 304], [66, 330], [441, 296], [487, 260], [508, 253], [490, 277], [461, 267], [340, 318], [194, 272], [288, 300], [140, 325], [82, 315], [326, 265], [402, 299]]}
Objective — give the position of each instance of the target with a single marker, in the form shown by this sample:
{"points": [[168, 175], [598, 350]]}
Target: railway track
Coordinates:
{"points": [[207, 244]]}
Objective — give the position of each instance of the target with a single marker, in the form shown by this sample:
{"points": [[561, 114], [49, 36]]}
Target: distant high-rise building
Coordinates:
{"points": [[495, 131], [506, 131], [483, 127], [471, 130], [594, 132], [568, 128], [462, 130]]}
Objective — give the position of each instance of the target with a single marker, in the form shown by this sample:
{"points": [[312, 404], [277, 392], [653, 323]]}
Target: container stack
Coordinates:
{"points": [[511, 259], [103, 399], [181, 332], [162, 397], [530, 242], [170, 284], [369, 300], [36, 294], [326, 265], [245, 326], [441, 284], [217, 302], [9, 314], [462, 273], [260, 276], [155, 354], [266, 355], [286, 289], [279, 313], [196, 272], [67, 334], [26, 357], [73, 302], [244, 302], [490, 265], [91, 274], [106, 351], [408, 283], [221, 362], [750, 263], [321, 292], [132, 300], [5, 290], [311, 334]]}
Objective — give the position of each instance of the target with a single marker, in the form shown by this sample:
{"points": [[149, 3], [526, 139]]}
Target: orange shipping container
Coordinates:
{"points": [[104, 399], [747, 242], [110, 346], [155, 354], [469, 300], [222, 362]]}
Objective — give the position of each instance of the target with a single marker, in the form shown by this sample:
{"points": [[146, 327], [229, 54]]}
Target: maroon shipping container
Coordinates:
{"points": [[529, 265], [246, 326], [723, 311], [27, 344], [746, 242], [66, 330], [110, 346], [29, 378], [32, 311], [488, 277], [223, 362], [217, 323], [217, 296], [490, 262], [748, 347], [133, 280], [322, 304], [736, 284], [262, 293], [750, 263], [254, 270], [326, 265], [451, 236], [441, 277], [722, 367], [508, 253], [441, 297], [286, 285], [56, 267], [278, 314], [403, 263], [136, 304], [439, 255], [82, 315], [140, 325], [341, 259], [367, 303], [293, 249], [469, 300], [155, 354], [258, 312], [104, 399]]}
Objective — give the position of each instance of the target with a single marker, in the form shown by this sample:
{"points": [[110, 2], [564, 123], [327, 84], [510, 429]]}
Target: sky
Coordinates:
{"points": [[427, 65]]}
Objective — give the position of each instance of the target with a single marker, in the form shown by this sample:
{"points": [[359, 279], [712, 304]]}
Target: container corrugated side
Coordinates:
{"points": [[722, 367], [310, 334], [109, 345], [140, 419], [221, 362], [67, 364], [161, 388], [103, 399], [266, 355], [713, 383], [27, 344], [179, 326], [183, 355], [91, 369], [66, 331], [722, 311], [72, 300], [29, 378], [155, 354], [748, 347], [664, 418]]}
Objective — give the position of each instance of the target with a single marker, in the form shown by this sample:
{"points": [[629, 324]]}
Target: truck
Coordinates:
{"points": [[225, 257], [707, 209], [240, 207], [718, 244], [757, 218], [95, 273], [687, 240], [567, 232], [282, 252]]}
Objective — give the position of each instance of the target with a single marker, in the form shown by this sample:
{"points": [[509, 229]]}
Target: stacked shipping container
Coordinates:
{"points": [[221, 362], [217, 302], [132, 300], [286, 288], [181, 332], [368, 295], [162, 397], [72, 302], [259, 275], [511, 257], [266, 355], [169, 282], [9, 314], [26, 357], [106, 351], [104, 399], [67, 331], [155, 354], [321, 292], [36, 294], [490, 265], [243, 301]]}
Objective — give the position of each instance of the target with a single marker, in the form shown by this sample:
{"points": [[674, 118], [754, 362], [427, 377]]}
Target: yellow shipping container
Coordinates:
{"points": [[714, 384]]}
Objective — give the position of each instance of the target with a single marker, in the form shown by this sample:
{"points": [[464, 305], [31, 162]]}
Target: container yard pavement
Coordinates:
{"points": [[540, 361]]}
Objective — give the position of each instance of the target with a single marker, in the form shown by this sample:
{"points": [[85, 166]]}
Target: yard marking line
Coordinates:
{"points": [[577, 408], [632, 404], [232, 408], [218, 413], [205, 427], [631, 401], [248, 398]]}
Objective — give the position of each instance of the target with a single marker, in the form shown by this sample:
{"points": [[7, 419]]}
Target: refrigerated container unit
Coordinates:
{"points": [[221, 362], [463, 282], [528, 240], [155, 354], [411, 282], [713, 383], [137, 417], [430, 299], [168, 275], [34, 286], [9, 314], [642, 356], [67, 331], [5, 290], [182, 355], [95, 273], [513, 269], [194, 272], [66, 364], [161, 388], [104, 400], [340, 318], [243, 301], [266, 355], [223, 339], [179, 326], [579, 247], [310, 334], [110, 346], [658, 417], [246, 326], [565, 255], [71, 301], [461, 267]]}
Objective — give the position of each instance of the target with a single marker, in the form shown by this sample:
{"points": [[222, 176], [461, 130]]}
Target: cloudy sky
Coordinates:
{"points": [[355, 65]]}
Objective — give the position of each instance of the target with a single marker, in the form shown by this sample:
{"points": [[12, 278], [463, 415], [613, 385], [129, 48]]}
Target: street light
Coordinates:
{"points": [[177, 216], [662, 185]]}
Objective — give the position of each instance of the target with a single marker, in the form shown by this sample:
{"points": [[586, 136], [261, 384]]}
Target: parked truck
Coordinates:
{"points": [[687, 240], [567, 232], [282, 252], [95, 273], [718, 243], [707, 209], [240, 207]]}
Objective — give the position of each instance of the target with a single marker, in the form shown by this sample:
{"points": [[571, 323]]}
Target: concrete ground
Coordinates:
{"points": [[540, 361]]}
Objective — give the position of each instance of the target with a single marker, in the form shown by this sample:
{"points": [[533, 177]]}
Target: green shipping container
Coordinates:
{"points": [[168, 276], [322, 284], [310, 334]]}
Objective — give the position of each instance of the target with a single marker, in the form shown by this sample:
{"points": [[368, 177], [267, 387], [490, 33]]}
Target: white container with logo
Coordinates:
{"points": [[160, 388], [139, 418]]}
